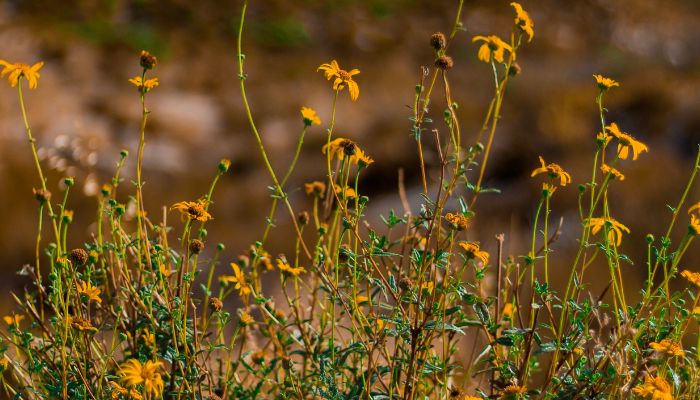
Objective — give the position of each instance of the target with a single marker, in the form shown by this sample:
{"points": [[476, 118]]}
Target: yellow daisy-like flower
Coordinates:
{"points": [[654, 389], [309, 116], [345, 193], [473, 250], [288, 269], [80, 324], [316, 188], [91, 292], [16, 71], [669, 347], [508, 310], [428, 286], [342, 148], [555, 171], [193, 210], [13, 320], [626, 142], [692, 277], [117, 390], [238, 278], [493, 47], [133, 373], [523, 20], [144, 86], [361, 299], [615, 174], [616, 228], [458, 221], [343, 78], [246, 319], [604, 83], [165, 271], [694, 226], [512, 392]]}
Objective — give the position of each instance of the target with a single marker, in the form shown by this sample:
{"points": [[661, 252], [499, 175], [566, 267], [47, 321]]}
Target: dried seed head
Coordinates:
{"points": [[148, 61], [79, 257], [196, 246], [444, 62], [216, 304], [405, 283], [514, 69], [438, 41], [42, 195], [303, 218], [349, 147], [344, 253]]}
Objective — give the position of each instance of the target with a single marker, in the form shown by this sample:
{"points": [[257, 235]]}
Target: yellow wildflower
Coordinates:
{"points": [[343, 78], [554, 171], [605, 83], [165, 271], [523, 20], [493, 47], [19, 70], [239, 279], [91, 292], [315, 188], [345, 193], [13, 320], [149, 339], [144, 86], [80, 324], [360, 299], [625, 142], [246, 319], [342, 147], [654, 389], [616, 228], [133, 373], [309, 116], [694, 219], [117, 390], [615, 174], [669, 347], [288, 269], [193, 210], [508, 310], [696, 310], [473, 250], [428, 286], [458, 221], [512, 392], [692, 277]]}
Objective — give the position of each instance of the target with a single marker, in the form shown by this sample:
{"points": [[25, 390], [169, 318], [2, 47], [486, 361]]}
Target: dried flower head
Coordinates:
{"points": [[79, 257], [147, 60], [196, 246], [42, 195], [444, 62], [16, 71], [438, 41], [343, 78], [216, 303]]}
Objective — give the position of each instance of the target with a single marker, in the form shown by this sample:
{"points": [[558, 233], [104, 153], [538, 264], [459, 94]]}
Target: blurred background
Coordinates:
{"points": [[85, 111]]}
